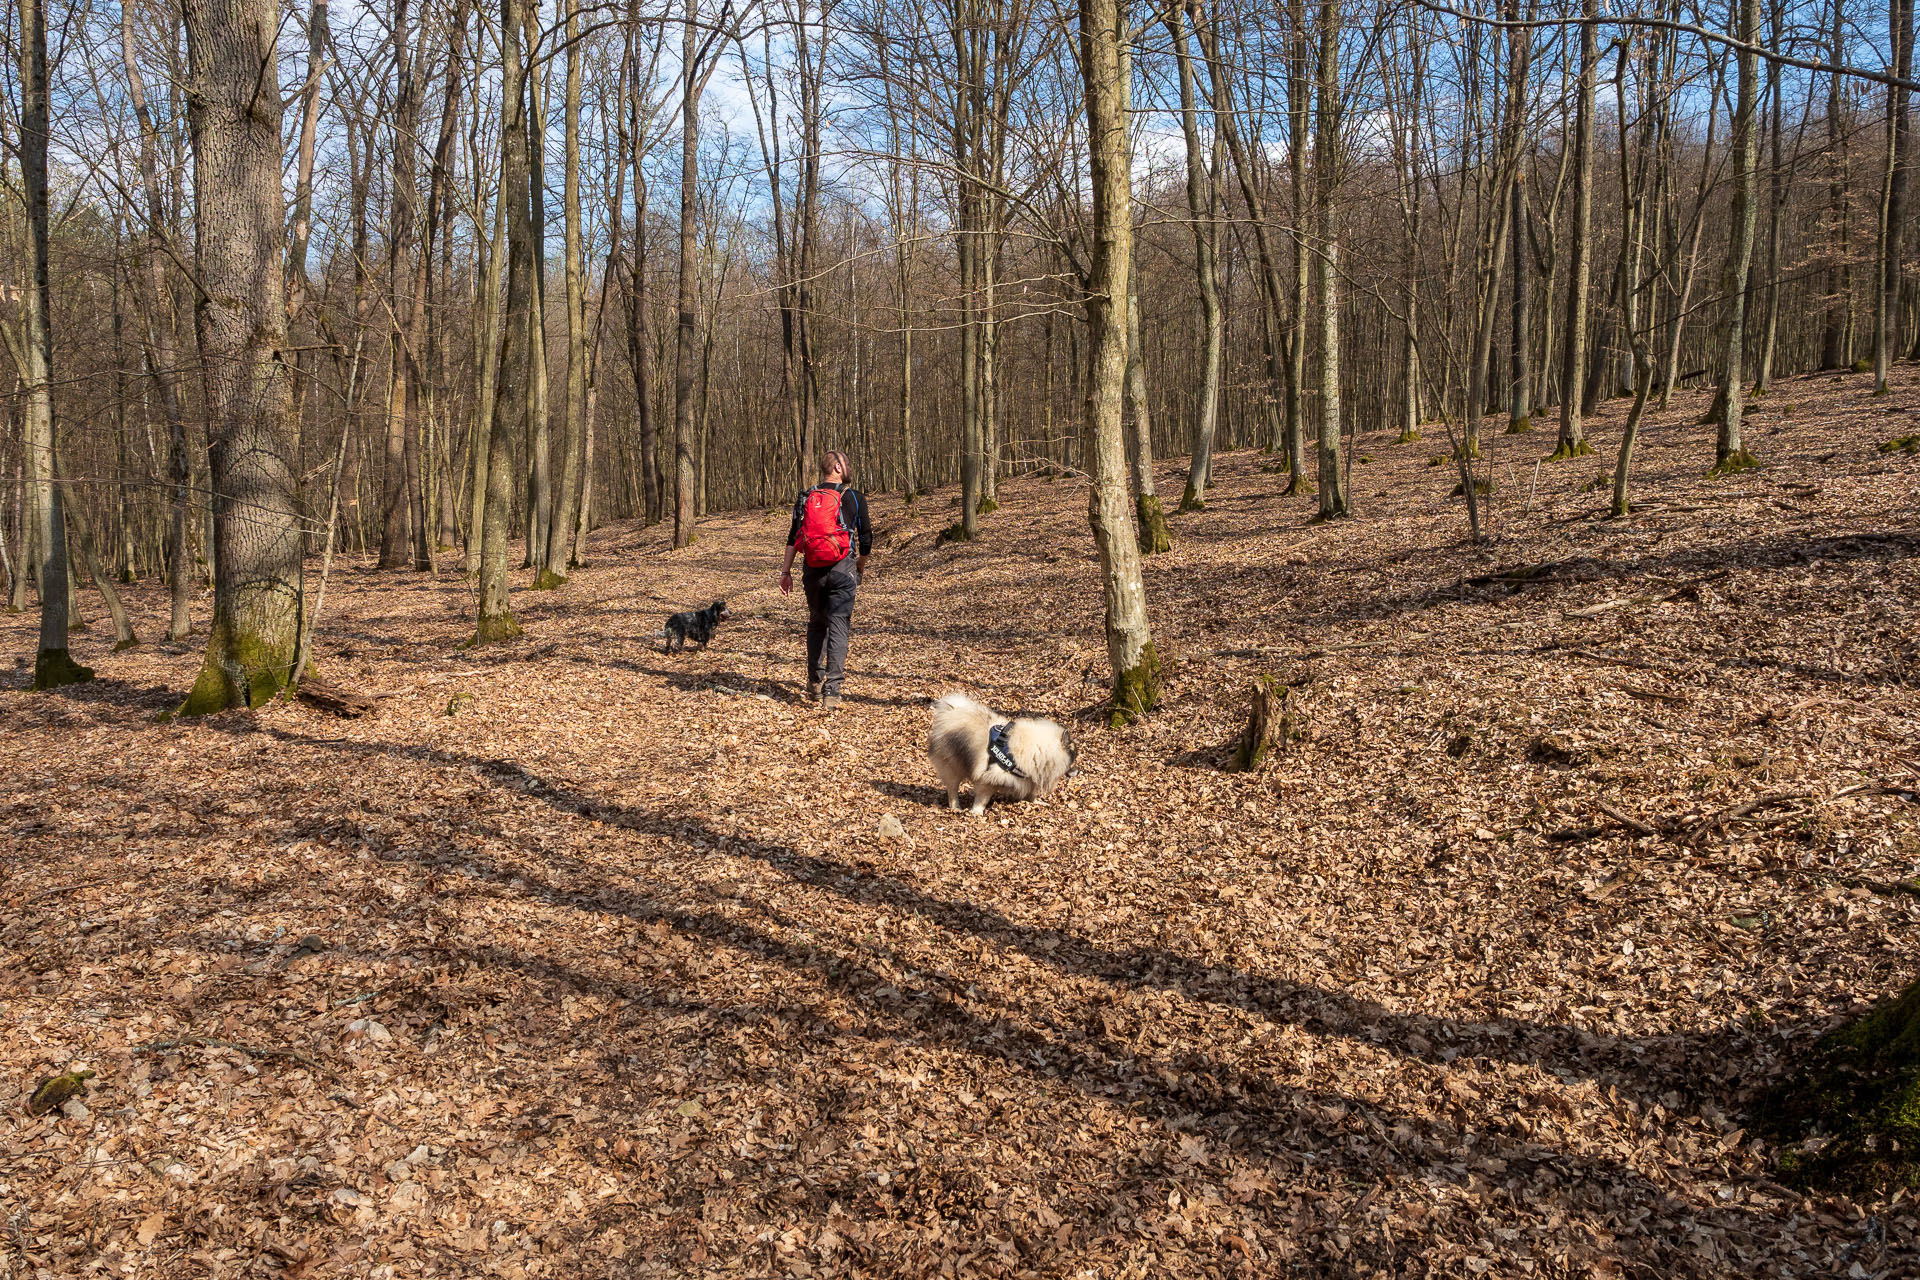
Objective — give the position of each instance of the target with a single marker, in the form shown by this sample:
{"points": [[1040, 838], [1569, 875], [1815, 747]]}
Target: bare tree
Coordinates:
{"points": [[1202, 200], [496, 620], [1326, 276], [1730, 399], [32, 350], [1136, 668], [1893, 206], [1572, 441], [156, 308]]}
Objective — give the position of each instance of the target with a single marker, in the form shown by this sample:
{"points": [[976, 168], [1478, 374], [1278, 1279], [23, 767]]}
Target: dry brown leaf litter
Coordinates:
{"points": [[575, 959]]}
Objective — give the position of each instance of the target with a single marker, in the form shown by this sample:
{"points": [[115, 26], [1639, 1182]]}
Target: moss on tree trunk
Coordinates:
{"points": [[1155, 537], [1136, 689], [1852, 1115], [54, 667]]}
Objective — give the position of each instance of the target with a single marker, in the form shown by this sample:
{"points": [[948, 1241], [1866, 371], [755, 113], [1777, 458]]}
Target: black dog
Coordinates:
{"points": [[695, 624]]}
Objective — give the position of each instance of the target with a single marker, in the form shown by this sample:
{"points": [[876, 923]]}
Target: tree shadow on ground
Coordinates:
{"points": [[1693, 1065], [1067, 1043]]}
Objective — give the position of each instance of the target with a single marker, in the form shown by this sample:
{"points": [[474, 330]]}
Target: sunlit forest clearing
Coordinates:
{"points": [[573, 958]]}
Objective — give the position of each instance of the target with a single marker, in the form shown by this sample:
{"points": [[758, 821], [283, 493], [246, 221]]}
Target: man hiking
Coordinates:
{"points": [[829, 520]]}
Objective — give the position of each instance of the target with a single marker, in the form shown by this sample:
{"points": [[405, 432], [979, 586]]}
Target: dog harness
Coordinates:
{"points": [[997, 750]]}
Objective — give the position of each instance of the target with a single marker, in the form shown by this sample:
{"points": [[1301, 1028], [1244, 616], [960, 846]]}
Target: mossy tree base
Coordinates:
{"points": [[955, 532], [53, 668], [987, 507], [1863, 366], [1135, 690], [1408, 436], [495, 630], [1155, 537], [1519, 426], [1191, 499], [1580, 448], [219, 689], [1483, 486], [1734, 463], [548, 580], [1902, 444], [1860, 1091], [1471, 451]]}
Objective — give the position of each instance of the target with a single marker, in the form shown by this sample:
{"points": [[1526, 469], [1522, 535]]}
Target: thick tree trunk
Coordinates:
{"points": [[516, 332], [241, 320], [1136, 668]]}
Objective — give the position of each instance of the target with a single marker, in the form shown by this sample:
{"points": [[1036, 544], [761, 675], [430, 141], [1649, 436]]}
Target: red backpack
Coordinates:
{"points": [[824, 537]]}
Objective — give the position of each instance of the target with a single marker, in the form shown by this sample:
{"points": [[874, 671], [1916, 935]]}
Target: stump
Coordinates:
{"points": [[1272, 722]]}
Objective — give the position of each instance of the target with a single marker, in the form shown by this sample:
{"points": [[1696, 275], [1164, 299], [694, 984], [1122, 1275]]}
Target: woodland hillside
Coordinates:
{"points": [[569, 958]]}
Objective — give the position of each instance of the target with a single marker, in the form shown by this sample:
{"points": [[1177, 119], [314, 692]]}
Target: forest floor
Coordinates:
{"points": [[576, 959]]}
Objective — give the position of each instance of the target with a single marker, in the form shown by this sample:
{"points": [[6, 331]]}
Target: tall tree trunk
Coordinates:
{"points": [[1633, 219], [1136, 668], [573, 438], [1730, 399], [1834, 352], [538, 423], [1520, 355], [156, 307], [1201, 201], [686, 351], [640, 353], [1299, 94], [1572, 441], [234, 117], [1776, 206], [1155, 537], [298, 289], [516, 333], [486, 358], [439, 529], [33, 352], [396, 530], [1893, 216], [1326, 277]]}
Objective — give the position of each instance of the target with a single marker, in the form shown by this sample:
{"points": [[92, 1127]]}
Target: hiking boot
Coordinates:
{"points": [[830, 702], [813, 691]]}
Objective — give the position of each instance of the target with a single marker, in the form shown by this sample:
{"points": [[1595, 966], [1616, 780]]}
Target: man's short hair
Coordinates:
{"points": [[833, 460]]}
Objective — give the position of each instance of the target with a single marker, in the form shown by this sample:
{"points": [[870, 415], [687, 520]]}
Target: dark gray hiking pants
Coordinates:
{"points": [[829, 621]]}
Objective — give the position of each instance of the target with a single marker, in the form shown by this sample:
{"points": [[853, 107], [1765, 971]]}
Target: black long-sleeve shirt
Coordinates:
{"points": [[853, 510]]}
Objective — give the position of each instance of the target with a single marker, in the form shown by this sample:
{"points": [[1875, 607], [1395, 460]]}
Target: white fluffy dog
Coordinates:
{"points": [[1018, 758]]}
